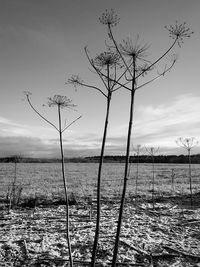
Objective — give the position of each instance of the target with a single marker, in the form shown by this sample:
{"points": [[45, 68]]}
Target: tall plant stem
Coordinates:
{"points": [[153, 181], [137, 177], [125, 174], [96, 238], [65, 189], [190, 176], [13, 187]]}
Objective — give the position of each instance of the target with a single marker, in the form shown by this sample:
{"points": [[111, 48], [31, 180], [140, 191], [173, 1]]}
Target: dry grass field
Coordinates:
{"points": [[44, 179], [167, 235]]}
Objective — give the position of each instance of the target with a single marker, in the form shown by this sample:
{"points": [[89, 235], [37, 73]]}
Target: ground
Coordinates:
{"points": [[168, 235]]}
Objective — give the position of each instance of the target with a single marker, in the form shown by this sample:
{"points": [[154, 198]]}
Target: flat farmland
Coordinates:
{"points": [[44, 179], [166, 235]]}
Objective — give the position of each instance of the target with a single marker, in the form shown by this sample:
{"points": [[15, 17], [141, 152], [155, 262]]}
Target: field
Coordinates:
{"points": [[166, 235], [45, 179]]}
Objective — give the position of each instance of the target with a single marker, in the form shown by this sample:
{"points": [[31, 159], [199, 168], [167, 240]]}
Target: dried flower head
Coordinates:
{"points": [[179, 32], [27, 93], [173, 57], [134, 50], [152, 150], [144, 69], [187, 143], [105, 59], [109, 18], [75, 80], [61, 101]]}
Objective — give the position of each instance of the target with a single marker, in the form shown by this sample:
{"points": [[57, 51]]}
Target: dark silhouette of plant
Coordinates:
{"points": [[152, 152], [138, 151], [15, 192], [60, 102], [105, 65], [188, 144], [134, 58], [173, 175]]}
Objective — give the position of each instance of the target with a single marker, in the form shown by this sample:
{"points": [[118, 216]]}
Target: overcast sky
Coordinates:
{"points": [[42, 45]]}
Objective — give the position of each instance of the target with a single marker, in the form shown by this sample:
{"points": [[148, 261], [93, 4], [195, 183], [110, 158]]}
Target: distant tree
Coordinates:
{"points": [[60, 102], [188, 144], [106, 65], [134, 58]]}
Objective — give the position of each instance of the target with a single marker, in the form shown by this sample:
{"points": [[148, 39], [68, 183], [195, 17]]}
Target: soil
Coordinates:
{"points": [[166, 235]]}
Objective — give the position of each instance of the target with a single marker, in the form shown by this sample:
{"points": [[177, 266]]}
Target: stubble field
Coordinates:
{"points": [[45, 179], [166, 235]]}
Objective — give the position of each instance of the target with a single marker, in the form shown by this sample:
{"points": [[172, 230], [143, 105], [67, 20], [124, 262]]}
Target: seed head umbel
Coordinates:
{"points": [[75, 80], [61, 101], [27, 93], [179, 32], [135, 50], [187, 143], [109, 18], [144, 69], [105, 59]]}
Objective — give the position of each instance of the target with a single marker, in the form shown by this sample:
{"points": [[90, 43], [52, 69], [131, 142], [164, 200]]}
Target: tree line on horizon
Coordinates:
{"points": [[195, 159]]}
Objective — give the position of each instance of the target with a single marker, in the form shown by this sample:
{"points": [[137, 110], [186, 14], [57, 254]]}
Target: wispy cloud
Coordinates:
{"points": [[10, 128], [33, 141], [164, 123], [161, 125], [154, 125]]}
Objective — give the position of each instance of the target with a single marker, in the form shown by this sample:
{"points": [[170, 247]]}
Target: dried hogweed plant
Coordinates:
{"points": [[188, 144], [60, 102], [14, 190], [134, 57], [152, 151], [107, 66], [179, 31], [109, 18], [138, 150], [134, 49]]}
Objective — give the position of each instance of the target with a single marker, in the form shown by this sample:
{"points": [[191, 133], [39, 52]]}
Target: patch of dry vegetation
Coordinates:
{"points": [[169, 235]]}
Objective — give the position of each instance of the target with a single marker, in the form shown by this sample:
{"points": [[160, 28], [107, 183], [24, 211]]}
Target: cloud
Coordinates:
{"points": [[10, 128], [36, 147], [183, 110], [33, 141], [165, 123], [154, 125], [20, 145], [160, 125]]}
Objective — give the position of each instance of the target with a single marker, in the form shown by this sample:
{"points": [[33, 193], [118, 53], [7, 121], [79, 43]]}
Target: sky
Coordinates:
{"points": [[42, 45]]}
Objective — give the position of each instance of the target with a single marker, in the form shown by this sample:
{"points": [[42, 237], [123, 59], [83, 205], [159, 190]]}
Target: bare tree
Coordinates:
{"points": [[152, 152], [188, 144], [60, 102], [105, 66], [134, 57]]}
